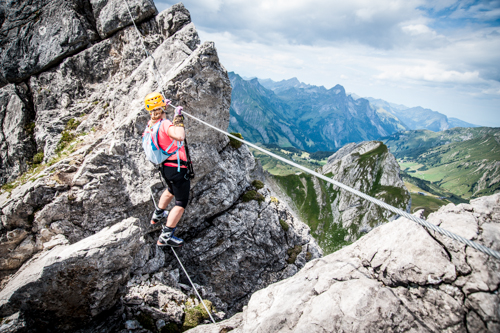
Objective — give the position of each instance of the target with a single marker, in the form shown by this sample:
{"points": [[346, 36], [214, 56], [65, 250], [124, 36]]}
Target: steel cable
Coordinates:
{"points": [[185, 272], [382, 204], [398, 211]]}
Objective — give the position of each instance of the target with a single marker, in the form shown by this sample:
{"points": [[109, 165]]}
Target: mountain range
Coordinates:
{"points": [[462, 161], [290, 113], [419, 117], [313, 118]]}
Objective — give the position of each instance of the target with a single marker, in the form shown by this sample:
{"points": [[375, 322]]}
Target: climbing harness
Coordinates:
{"points": [[190, 174], [382, 204], [185, 272], [154, 153]]}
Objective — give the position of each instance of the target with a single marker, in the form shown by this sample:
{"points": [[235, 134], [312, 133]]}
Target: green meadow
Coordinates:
{"points": [[462, 162]]}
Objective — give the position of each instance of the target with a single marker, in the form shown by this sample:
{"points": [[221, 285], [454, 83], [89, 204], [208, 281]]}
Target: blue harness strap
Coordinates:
{"points": [[165, 152]]}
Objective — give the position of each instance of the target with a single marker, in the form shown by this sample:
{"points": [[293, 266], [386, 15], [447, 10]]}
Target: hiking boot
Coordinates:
{"points": [[167, 238], [158, 217]]}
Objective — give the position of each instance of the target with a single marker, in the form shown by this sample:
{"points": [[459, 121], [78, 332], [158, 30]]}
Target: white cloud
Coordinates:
{"points": [[430, 72], [390, 49], [418, 29], [313, 22], [483, 10]]}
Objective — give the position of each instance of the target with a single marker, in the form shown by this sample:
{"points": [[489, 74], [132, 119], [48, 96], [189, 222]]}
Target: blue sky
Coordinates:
{"points": [[440, 54]]}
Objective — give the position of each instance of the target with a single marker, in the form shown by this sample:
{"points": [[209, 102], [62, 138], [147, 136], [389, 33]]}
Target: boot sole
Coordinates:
{"points": [[164, 245]]}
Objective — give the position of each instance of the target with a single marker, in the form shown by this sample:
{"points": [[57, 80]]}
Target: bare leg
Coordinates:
{"points": [[165, 199], [174, 216]]}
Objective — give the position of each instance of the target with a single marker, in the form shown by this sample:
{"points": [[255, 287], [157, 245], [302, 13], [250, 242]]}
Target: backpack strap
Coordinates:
{"points": [[165, 152]]}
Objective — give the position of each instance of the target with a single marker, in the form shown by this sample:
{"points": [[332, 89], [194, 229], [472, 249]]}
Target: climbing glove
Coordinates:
{"points": [[179, 118]]}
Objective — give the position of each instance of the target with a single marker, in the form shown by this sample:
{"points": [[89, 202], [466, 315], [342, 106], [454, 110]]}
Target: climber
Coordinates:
{"points": [[165, 139]]}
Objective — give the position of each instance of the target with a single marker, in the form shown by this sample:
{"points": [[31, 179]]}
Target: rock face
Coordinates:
{"points": [[88, 119], [100, 177], [398, 278], [370, 168], [112, 15], [37, 34], [17, 121], [69, 284], [248, 246], [337, 217]]}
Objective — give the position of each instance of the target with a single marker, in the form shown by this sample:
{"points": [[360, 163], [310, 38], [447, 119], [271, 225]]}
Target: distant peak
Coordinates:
{"points": [[293, 80], [233, 75], [338, 89]]}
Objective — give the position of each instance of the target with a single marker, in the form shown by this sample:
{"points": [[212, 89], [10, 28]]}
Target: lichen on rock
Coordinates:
{"points": [[195, 314]]}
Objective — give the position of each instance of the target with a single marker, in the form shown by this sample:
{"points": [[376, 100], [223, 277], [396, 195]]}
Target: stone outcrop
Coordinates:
{"points": [[112, 15], [246, 248], [399, 277], [370, 168], [88, 121], [35, 35], [67, 285], [102, 177], [17, 125], [337, 217]]}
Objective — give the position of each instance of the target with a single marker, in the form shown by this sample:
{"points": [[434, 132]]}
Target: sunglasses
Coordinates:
{"points": [[157, 109]]}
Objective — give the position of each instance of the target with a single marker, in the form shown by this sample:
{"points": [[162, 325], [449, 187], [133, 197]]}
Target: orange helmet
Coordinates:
{"points": [[153, 101]]}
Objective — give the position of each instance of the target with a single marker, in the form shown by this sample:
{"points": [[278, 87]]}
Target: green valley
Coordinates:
{"points": [[302, 190], [337, 217], [278, 168], [428, 203], [464, 162]]}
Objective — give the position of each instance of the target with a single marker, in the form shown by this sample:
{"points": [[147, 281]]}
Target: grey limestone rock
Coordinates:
{"points": [[107, 178], [156, 302], [13, 324], [245, 248], [370, 168], [399, 277], [112, 15], [17, 122], [102, 82], [35, 35], [69, 284], [101, 178]]}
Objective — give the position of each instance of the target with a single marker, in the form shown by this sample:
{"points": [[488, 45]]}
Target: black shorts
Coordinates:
{"points": [[178, 184]]}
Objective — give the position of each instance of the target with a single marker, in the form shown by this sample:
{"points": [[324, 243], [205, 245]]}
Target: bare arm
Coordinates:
{"points": [[176, 133]]}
